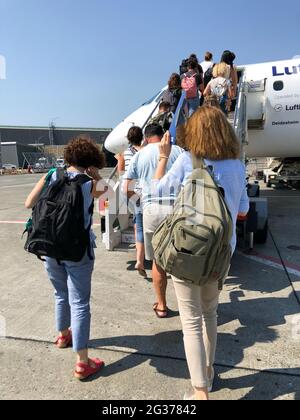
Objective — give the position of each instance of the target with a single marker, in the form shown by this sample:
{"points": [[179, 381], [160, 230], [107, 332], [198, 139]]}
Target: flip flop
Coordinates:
{"points": [[158, 312], [141, 271]]}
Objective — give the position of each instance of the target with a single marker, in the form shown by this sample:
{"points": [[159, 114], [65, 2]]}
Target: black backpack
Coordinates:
{"points": [[208, 76], [58, 226], [184, 67]]}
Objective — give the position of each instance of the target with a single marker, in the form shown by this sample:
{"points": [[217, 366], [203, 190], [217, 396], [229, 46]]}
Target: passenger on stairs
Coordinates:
{"points": [[192, 84], [220, 86], [201, 73], [164, 117], [208, 62], [212, 100], [228, 58], [199, 67], [174, 91]]}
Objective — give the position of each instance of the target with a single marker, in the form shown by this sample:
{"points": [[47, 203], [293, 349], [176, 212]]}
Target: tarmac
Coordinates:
{"points": [[258, 354]]}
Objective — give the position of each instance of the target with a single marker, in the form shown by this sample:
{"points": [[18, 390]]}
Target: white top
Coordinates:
{"points": [[207, 65]]}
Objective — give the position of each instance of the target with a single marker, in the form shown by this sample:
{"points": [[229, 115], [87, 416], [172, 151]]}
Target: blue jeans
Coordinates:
{"points": [[138, 221], [72, 284], [193, 105]]}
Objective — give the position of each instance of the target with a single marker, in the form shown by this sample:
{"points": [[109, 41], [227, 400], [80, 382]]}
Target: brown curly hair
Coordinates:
{"points": [[174, 82], [83, 152]]}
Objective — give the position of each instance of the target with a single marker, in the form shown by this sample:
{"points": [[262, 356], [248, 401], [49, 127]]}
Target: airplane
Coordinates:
{"points": [[271, 111], [266, 120]]}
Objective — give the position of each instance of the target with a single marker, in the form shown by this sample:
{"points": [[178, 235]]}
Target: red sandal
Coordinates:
{"points": [[64, 342], [88, 370]]}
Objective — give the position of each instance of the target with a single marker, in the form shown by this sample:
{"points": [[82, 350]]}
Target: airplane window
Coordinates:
{"points": [[279, 85]]}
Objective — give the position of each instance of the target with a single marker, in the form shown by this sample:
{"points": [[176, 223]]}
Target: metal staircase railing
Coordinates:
{"points": [[240, 124]]}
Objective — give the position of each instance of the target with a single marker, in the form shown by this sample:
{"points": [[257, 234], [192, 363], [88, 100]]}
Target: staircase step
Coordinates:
{"points": [[256, 124]]}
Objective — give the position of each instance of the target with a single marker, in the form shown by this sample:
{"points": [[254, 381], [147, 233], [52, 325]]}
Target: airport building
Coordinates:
{"points": [[49, 136], [16, 141], [14, 153]]}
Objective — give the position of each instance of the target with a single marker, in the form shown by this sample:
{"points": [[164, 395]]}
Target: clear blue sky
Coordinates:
{"points": [[89, 63]]}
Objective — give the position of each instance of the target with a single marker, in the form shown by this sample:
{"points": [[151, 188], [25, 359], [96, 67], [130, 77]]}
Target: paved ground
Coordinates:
{"points": [[259, 324]]}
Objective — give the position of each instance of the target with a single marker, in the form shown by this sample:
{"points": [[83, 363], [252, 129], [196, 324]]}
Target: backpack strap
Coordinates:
{"points": [[198, 163], [61, 173], [49, 174], [82, 179]]}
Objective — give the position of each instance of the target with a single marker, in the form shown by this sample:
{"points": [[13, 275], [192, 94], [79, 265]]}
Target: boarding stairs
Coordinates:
{"points": [[118, 225]]}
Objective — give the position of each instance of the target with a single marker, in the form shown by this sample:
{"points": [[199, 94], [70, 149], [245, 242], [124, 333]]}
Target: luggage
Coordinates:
{"points": [[189, 85], [57, 229], [193, 244]]}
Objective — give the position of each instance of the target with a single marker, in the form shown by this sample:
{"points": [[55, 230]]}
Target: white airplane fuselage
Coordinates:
{"points": [[273, 111], [280, 104]]}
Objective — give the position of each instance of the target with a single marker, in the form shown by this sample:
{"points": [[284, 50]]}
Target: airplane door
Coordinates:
{"points": [[256, 104]]}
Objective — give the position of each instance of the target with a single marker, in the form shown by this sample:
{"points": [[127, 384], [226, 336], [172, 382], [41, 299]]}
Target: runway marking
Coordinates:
{"points": [[293, 269], [22, 222], [17, 186], [5, 222]]}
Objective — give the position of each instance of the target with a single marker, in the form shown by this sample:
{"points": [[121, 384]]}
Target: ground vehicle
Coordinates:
{"points": [[42, 165], [9, 167], [283, 171], [60, 163]]}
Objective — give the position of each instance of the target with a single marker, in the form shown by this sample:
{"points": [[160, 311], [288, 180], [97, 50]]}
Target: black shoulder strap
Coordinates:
{"points": [[61, 174], [82, 179]]}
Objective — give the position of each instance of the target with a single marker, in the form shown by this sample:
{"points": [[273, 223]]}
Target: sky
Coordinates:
{"points": [[90, 63]]}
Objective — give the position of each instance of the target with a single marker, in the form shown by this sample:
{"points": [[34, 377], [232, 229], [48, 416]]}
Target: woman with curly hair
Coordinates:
{"points": [[173, 93], [72, 280]]}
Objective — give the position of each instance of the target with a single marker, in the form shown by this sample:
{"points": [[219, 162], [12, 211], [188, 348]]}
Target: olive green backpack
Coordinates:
{"points": [[193, 244]]}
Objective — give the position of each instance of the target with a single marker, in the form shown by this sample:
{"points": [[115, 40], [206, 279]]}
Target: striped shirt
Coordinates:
{"points": [[128, 155]]}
